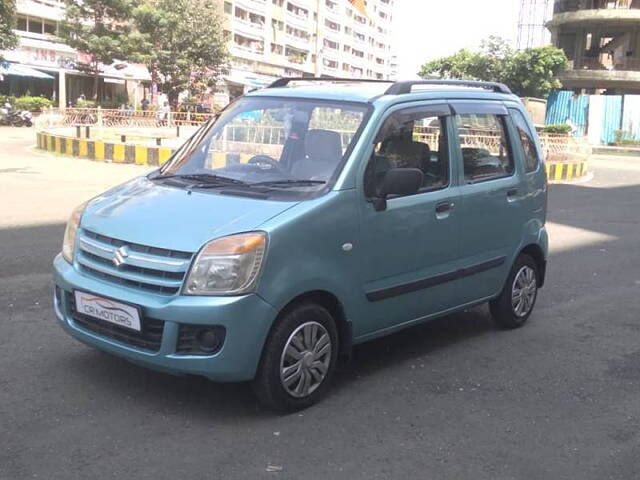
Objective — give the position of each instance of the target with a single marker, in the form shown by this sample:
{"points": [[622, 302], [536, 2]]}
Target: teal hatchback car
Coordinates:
{"points": [[309, 217]]}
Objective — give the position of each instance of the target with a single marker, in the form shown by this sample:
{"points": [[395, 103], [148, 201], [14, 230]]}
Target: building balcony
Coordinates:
{"points": [[589, 72], [256, 6], [245, 26], [298, 42], [595, 11]]}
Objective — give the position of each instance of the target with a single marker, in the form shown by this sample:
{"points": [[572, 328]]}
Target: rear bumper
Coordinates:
{"points": [[247, 320]]}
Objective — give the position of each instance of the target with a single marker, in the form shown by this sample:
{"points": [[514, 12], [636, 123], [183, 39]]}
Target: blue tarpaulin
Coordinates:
{"points": [[611, 118], [564, 106]]}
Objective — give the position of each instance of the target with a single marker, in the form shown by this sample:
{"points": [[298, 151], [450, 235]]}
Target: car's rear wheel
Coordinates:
{"points": [[514, 305], [298, 360]]}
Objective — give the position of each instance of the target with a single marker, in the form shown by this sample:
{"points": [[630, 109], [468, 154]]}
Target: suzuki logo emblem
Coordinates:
{"points": [[120, 256]]}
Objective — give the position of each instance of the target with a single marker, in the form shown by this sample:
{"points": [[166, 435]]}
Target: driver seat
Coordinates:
{"points": [[323, 150]]}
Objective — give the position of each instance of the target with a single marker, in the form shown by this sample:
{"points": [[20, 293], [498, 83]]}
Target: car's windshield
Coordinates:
{"points": [[271, 142]]}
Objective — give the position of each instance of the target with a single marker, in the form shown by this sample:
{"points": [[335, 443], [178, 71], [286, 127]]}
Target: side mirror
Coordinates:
{"points": [[398, 181]]}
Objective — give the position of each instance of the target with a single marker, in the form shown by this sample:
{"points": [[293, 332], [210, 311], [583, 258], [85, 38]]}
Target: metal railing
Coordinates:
{"points": [[248, 137], [99, 117], [562, 6]]}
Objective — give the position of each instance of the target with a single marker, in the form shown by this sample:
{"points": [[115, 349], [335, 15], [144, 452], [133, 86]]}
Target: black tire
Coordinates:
{"points": [[505, 314], [268, 385]]}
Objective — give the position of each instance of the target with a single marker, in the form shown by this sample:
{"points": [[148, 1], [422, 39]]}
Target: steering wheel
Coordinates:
{"points": [[265, 160]]}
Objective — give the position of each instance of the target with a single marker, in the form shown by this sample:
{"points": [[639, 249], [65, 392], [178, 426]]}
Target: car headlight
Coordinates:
{"points": [[228, 265], [70, 233]]}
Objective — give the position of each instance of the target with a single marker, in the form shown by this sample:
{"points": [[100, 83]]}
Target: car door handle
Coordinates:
{"points": [[512, 194], [444, 207]]}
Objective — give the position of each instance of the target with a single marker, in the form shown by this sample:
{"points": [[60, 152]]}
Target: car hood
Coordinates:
{"points": [[157, 215]]}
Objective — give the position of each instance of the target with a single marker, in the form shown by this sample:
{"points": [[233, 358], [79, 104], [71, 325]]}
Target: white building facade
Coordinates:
{"points": [[44, 66], [321, 38]]}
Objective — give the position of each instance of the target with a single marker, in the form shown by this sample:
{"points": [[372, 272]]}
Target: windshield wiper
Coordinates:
{"points": [[289, 183], [205, 178]]}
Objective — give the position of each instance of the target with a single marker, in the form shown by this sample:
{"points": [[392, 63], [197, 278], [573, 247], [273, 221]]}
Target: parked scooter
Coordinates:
{"points": [[15, 118]]}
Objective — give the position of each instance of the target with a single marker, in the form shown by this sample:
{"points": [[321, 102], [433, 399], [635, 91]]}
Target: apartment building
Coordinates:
{"points": [[333, 38], [42, 65], [602, 41]]}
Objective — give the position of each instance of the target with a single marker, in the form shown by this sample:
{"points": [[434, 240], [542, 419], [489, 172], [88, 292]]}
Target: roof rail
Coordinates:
{"points": [[399, 88], [283, 82]]}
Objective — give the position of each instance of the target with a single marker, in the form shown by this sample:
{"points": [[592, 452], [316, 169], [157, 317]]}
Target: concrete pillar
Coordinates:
{"points": [[62, 89]]}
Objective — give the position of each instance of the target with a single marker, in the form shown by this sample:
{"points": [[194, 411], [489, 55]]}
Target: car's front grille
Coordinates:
{"points": [[137, 266], [150, 338]]}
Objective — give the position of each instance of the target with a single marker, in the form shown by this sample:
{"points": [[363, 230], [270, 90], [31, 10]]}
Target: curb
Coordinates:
{"points": [[566, 171], [103, 151]]}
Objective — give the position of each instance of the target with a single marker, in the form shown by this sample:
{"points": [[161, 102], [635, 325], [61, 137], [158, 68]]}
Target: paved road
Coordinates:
{"points": [[452, 399]]}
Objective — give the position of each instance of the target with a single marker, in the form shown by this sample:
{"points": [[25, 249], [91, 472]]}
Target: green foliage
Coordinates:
{"points": [[623, 137], [529, 73], [8, 39], [183, 44], [532, 72], [100, 28], [33, 104], [557, 128], [86, 104]]}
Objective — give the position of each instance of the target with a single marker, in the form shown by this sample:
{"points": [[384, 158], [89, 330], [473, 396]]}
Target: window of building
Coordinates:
{"points": [[277, 49], [34, 25], [297, 11], [278, 3], [295, 56], [485, 148], [22, 24], [358, 53], [331, 44], [256, 19], [332, 25], [329, 63], [297, 33], [49, 27], [411, 139], [228, 7], [250, 44], [529, 149], [277, 25]]}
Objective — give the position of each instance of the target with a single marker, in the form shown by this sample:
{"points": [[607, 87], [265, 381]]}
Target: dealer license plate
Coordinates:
{"points": [[108, 310]]}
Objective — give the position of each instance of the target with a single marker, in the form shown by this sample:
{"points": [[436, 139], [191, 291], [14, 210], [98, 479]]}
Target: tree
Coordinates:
{"points": [[8, 39], [184, 47], [101, 29], [532, 72]]}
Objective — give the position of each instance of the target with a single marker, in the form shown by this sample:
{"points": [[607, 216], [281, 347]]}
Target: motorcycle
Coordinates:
{"points": [[15, 118]]}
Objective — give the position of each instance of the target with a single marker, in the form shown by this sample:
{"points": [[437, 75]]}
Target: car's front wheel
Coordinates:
{"points": [[515, 304], [298, 360]]}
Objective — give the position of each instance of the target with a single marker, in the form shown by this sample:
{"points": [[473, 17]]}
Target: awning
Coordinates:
{"points": [[249, 79], [7, 68]]}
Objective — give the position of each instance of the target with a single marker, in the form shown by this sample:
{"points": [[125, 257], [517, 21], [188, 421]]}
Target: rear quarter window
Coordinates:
{"points": [[529, 149]]}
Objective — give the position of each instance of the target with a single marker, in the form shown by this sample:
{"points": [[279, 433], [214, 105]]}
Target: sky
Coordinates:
{"points": [[429, 29]]}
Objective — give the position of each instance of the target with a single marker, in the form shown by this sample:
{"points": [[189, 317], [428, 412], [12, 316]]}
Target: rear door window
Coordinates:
{"points": [[485, 147]]}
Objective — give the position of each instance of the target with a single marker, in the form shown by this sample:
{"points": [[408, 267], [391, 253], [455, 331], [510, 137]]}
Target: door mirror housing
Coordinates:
{"points": [[398, 181]]}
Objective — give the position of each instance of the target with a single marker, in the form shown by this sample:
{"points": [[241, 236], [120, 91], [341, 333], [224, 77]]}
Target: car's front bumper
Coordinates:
{"points": [[247, 320]]}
